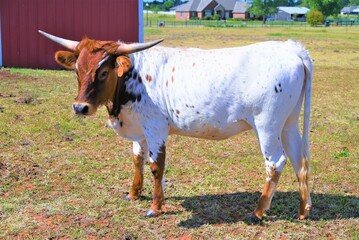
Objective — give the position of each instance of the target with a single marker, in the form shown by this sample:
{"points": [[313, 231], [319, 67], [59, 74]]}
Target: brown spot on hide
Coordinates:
{"points": [[173, 69], [177, 111], [173, 79], [148, 78], [194, 64], [167, 83]]}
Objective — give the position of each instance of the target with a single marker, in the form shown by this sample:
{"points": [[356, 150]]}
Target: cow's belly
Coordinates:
{"points": [[208, 131]]}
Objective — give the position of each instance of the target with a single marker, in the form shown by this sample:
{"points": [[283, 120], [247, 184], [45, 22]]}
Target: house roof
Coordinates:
{"points": [[350, 9], [191, 5], [294, 10], [228, 5], [200, 5], [241, 7]]}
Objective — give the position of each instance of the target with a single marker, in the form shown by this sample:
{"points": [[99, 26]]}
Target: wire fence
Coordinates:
{"points": [[242, 24]]}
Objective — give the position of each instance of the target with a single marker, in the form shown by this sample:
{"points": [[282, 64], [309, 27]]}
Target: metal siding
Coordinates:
{"points": [[23, 46], [140, 21], [0, 40]]}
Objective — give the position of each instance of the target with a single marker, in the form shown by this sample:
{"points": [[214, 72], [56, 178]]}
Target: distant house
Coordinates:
{"points": [[241, 10], [206, 8], [291, 13], [352, 10]]}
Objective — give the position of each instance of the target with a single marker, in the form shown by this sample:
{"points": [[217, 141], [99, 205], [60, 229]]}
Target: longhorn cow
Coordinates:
{"points": [[153, 92]]}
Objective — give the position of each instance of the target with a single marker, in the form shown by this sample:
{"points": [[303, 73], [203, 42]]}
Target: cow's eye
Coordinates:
{"points": [[103, 75]]}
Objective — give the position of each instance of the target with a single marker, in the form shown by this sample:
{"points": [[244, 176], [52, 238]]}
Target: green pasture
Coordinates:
{"points": [[65, 177]]}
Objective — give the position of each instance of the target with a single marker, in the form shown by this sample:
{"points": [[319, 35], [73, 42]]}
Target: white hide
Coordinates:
{"points": [[215, 94]]}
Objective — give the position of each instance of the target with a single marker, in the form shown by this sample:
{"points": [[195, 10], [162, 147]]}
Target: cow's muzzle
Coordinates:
{"points": [[81, 109]]}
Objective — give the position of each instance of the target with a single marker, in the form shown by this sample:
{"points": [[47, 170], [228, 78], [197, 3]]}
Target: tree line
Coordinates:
{"points": [[319, 8]]}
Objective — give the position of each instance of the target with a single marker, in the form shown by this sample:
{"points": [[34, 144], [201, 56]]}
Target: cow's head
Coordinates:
{"points": [[100, 66]]}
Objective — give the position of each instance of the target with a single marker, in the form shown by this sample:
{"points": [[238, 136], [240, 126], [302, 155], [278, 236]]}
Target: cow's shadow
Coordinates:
{"points": [[232, 208]]}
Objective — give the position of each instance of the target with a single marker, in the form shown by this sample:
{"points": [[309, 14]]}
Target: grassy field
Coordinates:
{"points": [[64, 177]]}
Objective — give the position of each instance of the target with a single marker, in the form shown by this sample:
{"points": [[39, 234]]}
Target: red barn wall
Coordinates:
{"points": [[23, 46]]}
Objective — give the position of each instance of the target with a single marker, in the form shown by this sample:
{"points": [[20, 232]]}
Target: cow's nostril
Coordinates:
{"points": [[85, 109], [81, 109]]}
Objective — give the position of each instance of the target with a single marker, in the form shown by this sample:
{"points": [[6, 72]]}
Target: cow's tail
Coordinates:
{"points": [[305, 152]]}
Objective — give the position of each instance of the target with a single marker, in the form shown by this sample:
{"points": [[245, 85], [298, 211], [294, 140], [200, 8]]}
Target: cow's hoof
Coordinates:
{"points": [[152, 213], [252, 219], [130, 198], [299, 216]]}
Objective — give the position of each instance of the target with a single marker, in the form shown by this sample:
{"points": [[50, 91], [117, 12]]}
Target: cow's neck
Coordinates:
{"points": [[121, 96], [115, 109]]}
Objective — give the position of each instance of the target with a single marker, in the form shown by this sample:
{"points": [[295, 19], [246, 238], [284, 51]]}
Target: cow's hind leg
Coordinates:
{"points": [[292, 145], [140, 153], [275, 159]]}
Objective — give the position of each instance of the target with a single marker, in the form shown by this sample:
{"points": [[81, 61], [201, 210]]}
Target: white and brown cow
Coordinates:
{"points": [[212, 94]]}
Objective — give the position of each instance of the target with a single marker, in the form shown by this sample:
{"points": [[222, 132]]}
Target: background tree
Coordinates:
{"points": [[343, 3], [178, 2], [263, 8], [168, 4], [354, 2], [327, 7], [288, 3]]}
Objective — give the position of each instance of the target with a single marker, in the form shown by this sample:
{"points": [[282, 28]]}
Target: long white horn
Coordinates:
{"points": [[64, 42], [136, 47]]}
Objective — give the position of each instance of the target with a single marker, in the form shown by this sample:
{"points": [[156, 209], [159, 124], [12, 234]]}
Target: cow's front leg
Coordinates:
{"points": [[157, 165], [140, 154]]}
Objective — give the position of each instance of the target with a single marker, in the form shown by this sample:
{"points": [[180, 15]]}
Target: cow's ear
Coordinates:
{"points": [[124, 64], [66, 59]]}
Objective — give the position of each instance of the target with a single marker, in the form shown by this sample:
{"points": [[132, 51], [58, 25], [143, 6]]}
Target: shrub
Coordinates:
{"points": [[216, 17], [315, 17]]}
